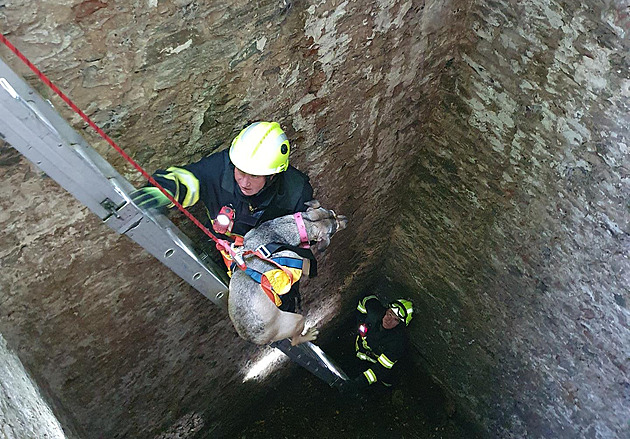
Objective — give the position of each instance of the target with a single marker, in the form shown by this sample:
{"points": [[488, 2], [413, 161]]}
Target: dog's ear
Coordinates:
{"points": [[321, 245], [316, 214], [312, 204], [342, 222]]}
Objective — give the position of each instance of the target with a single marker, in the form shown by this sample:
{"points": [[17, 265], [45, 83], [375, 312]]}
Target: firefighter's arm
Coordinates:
{"points": [[365, 304], [361, 313], [352, 386], [180, 183], [382, 369]]}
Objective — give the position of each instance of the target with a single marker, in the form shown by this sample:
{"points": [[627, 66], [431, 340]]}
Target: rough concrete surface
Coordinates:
{"points": [[515, 228], [125, 347]]}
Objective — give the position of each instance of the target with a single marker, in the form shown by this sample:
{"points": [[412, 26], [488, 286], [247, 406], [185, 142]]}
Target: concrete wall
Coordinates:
{"points": [[514, 238], [126, 348]]}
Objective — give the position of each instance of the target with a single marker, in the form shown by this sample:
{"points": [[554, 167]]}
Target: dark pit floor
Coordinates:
{"points": [[304, 407]]}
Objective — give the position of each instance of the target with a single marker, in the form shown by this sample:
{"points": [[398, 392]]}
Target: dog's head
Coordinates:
{"points": [[322, 224]]}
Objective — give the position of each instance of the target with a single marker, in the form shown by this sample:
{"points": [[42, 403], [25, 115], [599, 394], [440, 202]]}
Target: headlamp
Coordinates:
{"points": [[225, 220], [363, 329]]}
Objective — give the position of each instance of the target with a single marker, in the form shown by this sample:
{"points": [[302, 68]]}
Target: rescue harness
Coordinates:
{"points": [[278, 281]]}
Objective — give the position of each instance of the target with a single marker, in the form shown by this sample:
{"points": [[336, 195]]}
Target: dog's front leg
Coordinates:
{"points": [[310, 335], [291, 325]]}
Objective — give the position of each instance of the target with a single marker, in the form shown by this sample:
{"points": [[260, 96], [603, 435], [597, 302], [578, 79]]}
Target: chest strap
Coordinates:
{"points": [[277, 282], [274, 247]]}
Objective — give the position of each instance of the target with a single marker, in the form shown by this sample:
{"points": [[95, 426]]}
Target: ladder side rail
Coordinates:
{"points": [[33, 127], [169, 245], [313, 359]]}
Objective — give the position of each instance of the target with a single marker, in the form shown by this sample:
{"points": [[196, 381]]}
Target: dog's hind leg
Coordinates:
{"points": [[290, 325]]}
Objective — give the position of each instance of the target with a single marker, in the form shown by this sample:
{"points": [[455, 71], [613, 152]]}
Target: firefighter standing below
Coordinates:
{"points": [[250, 184], [382, 339]]}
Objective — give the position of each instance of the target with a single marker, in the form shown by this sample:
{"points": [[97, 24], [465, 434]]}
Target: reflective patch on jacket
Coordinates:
{"points": [[370, 376], [366, 355]]}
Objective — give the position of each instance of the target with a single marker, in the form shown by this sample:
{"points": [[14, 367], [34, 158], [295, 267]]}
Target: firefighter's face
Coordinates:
{"points": [[390, 320], [249, 184]]}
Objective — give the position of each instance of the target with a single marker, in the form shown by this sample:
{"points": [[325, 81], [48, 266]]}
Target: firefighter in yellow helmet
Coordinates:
{"points": [[242, 187], [381, 340]]}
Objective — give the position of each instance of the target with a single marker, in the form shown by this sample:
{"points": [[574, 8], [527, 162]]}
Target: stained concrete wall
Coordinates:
{"points": [[125, 347], [514, 236]]}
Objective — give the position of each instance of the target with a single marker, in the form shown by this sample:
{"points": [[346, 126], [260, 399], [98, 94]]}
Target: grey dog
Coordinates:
{"points": [[255, 317]]}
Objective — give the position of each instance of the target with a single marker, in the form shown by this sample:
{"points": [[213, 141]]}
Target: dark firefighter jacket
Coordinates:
{"points": [[211, 180], [381, 348]]}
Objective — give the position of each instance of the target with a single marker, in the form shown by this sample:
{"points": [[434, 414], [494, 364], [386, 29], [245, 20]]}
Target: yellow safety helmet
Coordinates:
{"points": [[403, 309], [262, 148]]}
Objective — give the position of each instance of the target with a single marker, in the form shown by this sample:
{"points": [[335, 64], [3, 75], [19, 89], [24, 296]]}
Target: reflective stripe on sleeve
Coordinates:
{"points": [[370, 376], [174, 179], [361, 306], [362, 356], [386, 362], [190, 181], [365, 344]]}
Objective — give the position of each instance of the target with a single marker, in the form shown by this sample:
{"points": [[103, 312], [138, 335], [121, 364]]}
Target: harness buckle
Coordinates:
{"points": [[263, 250], [237, 255], [306, 266]]}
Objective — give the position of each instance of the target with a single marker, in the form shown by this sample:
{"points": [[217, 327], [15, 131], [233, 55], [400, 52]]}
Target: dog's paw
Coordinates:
{"points": [[309, 335]]}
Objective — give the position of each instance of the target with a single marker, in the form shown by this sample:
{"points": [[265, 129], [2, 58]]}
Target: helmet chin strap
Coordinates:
{"points": [[269, 179]]}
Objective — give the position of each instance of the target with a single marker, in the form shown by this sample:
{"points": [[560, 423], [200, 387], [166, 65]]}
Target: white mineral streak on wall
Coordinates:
{"points": [[384, 19], [177, 49], [333, 47], [260, 44]]}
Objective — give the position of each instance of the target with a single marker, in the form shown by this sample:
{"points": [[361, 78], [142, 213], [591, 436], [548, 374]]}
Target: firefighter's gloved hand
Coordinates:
{"points": [[349, 387], [149, 197]]}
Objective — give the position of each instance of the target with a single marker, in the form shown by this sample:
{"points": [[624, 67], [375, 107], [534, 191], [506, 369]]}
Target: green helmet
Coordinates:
{"points": [[403, 309], [262, 148]]}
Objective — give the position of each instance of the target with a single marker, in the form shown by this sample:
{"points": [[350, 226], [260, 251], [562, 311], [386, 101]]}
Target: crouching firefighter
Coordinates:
{"points": [[381, 340], [240, 188]]}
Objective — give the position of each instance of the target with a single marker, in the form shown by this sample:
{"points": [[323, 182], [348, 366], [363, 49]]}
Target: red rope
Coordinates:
{"points": [[85, 117]]}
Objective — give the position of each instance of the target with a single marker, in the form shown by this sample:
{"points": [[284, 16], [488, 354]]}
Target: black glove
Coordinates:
{"points": [[351, 387], [150, 197]]}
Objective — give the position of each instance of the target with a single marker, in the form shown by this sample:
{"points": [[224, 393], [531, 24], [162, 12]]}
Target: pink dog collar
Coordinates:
{"points": [[301, 227]]}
